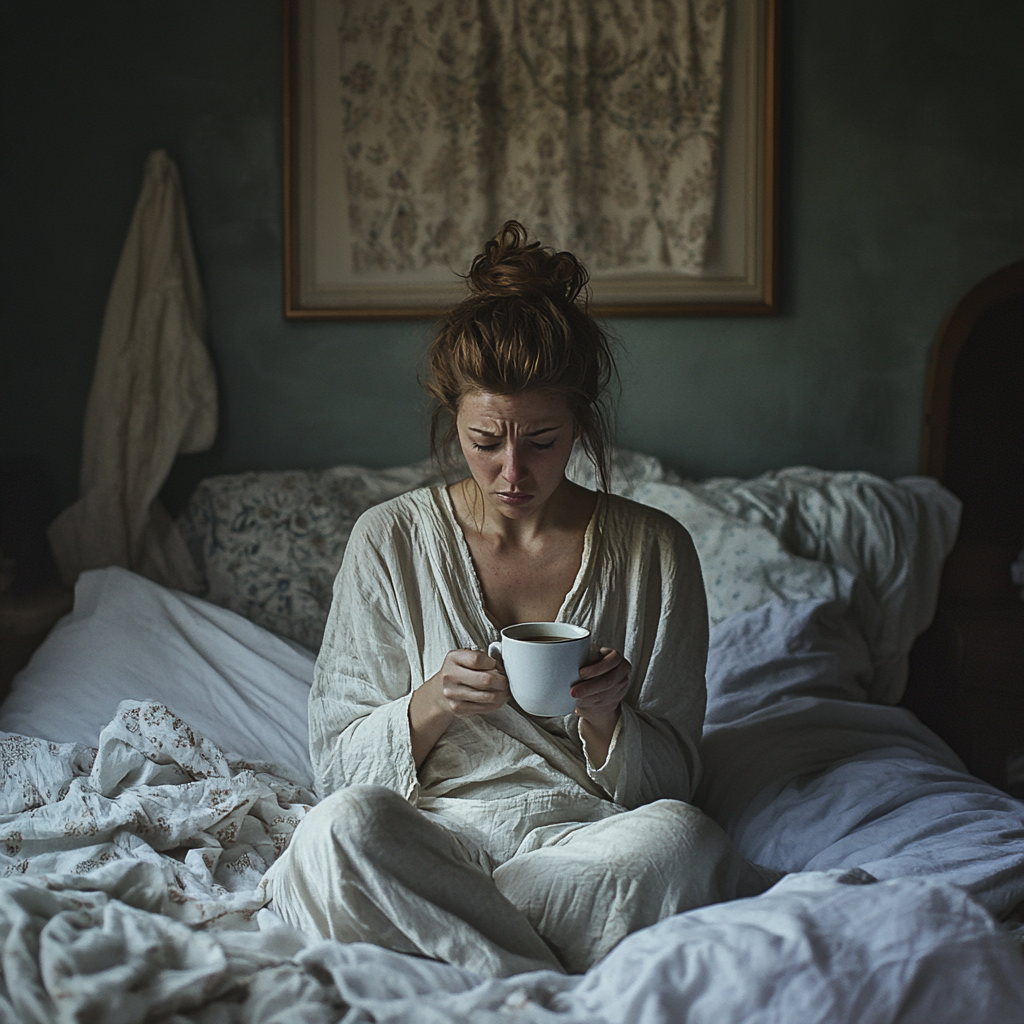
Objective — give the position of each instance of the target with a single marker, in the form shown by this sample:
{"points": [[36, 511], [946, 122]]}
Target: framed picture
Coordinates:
{"points": [[641, 137]]}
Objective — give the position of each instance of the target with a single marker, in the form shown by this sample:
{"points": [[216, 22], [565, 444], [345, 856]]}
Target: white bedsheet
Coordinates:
{"points": [[805, 774], [94, 921], [131, 639], [131, 872], [818, 948], [155, 791]]}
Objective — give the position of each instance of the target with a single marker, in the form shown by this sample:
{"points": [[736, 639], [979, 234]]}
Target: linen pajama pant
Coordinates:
{"points": [[366, 866]]}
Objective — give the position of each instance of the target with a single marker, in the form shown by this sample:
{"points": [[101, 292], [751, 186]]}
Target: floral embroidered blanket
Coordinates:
{"points": [[129, 892], [154, 792]]}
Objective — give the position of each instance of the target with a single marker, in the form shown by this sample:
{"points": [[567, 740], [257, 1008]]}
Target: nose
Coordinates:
{"points": [[512, 468]]}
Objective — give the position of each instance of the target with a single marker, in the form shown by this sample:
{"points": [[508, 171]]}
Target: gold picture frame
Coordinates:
{"points": [[740, 278]]}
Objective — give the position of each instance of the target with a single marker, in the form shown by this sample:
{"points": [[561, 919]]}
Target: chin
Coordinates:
{"points": [[514, 509]]}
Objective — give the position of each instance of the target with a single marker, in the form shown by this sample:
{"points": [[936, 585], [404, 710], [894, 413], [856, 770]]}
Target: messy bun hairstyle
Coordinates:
{"points": [[524, 327]]}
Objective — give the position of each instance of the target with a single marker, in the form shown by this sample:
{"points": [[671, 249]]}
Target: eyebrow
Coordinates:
{"points": [[532, 433]]}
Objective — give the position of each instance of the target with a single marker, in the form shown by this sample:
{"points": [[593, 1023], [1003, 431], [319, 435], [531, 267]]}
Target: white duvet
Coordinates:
{"points": [[818, 949], [131, 868]]}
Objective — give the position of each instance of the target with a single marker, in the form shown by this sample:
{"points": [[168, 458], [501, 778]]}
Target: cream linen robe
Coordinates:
{"points": [[153, 396], [519, 847]]}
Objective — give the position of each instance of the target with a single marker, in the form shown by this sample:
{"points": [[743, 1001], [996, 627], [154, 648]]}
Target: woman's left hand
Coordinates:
{"points": [[602, 687]]}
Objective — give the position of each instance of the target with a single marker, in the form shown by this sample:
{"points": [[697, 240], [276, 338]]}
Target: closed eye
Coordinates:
{"points": [[537, 445]]}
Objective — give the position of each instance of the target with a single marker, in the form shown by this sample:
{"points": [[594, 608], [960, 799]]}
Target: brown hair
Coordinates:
{"points": [[524, 327]]}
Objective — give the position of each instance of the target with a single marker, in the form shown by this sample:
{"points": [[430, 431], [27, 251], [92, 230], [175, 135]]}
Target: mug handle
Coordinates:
{"points": [[494, 650]]}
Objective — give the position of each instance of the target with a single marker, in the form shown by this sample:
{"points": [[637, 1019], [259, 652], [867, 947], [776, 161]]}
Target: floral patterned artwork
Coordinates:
{"points": [[594, 122]]}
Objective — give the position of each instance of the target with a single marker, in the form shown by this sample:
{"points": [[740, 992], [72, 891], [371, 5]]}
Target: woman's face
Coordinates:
{"points": [[517, 447]]}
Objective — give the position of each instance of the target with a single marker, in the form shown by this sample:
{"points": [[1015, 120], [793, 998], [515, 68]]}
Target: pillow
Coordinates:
{"points": [[129, 638], [270, 544], [745, 565], [801, 533]]}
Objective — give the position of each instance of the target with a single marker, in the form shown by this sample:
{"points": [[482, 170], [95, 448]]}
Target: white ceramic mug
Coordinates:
{"points": [[542, 660]]}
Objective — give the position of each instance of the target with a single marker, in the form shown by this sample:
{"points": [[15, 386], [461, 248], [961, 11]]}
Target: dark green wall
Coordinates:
{"points": [[903, 157]]}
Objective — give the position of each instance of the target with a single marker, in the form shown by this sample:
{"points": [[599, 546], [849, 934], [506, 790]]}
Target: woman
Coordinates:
{"points": [[454, 825]]}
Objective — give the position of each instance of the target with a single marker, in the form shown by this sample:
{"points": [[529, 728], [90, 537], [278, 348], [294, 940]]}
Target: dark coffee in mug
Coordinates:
{"points": [[542, 660]]}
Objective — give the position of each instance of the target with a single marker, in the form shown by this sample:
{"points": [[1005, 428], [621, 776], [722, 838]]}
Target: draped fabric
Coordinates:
{"points": [[594, 122], [153, 395]]}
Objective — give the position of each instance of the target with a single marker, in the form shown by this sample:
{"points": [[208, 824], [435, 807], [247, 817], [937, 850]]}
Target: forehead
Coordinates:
{"points": [[527, 407]]}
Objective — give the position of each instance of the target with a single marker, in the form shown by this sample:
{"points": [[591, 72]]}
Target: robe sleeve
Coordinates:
{"points": [[363, 680], [653, 753]]}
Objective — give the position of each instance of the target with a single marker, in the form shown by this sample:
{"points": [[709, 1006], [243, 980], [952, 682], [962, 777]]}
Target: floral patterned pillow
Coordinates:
{"points": [[270, 544]]}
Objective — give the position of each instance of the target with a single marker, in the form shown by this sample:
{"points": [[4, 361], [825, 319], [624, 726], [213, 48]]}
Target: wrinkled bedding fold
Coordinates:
{"points": [[132, 868]]}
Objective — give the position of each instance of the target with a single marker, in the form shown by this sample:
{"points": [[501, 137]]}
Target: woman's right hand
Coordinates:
{"points": [[467, 683]]}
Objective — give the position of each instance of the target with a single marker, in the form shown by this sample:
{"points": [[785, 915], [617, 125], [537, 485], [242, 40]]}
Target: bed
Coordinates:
{"points": [[154, 764]]}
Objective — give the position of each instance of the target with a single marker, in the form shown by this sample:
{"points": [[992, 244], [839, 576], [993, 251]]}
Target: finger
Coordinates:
{"points": [[601, 702], [609, 659], [474, 685], [602, 684], [479, 699], [584, 710], [479, 661], [614, 675], [492, 702], [496, 680], [606, 698], [462, 704], [607, 689]]}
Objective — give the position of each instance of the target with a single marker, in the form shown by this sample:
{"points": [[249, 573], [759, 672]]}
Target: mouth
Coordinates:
{"points": [[514, 497]]}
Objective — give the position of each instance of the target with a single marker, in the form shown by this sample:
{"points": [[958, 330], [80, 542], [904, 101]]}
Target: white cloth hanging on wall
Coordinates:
{"points": [[153, 395]]}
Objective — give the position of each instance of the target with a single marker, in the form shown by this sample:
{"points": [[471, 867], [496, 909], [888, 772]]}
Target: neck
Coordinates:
{"points": [[569, 508]]}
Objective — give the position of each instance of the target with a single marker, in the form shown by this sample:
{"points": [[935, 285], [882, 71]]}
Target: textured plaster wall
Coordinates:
{"points": [[903, 162]]}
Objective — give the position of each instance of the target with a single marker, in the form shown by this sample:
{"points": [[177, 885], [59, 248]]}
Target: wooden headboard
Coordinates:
{"points": [[967, 670]]}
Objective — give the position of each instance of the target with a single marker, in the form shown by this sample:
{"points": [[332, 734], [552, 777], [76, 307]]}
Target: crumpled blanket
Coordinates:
{"points": [[819, 948], [155, 791], [130, 894]]}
